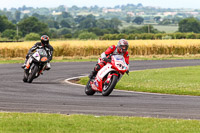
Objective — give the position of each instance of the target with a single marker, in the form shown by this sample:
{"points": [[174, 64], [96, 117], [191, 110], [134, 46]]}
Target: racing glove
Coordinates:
{"points": [[106, 60], [127, 71]]}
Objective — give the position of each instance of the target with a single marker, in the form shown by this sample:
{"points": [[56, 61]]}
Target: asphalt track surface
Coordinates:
{"points": [[50, 94]]}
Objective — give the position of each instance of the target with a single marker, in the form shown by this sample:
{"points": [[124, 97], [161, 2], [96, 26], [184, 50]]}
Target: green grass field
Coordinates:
{"points": [[58, 123], [180, 81]]}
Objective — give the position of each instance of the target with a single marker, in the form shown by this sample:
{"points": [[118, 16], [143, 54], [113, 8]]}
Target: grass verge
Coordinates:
{"points": [[180, 81], [58, 123]]}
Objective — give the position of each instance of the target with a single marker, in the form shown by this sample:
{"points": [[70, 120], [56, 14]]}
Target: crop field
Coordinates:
{"points": [[96, 47]]}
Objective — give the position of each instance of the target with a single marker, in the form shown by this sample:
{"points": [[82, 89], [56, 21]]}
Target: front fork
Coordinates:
{"points": [[109, 77], [38, 73], [42, 69]]}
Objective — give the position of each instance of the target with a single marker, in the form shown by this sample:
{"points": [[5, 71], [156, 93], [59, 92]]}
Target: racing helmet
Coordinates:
{"points": [[45, 40], [122, 46]]}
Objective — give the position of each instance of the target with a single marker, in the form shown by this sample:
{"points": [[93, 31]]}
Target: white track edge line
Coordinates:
{"points": [[147, 93]]}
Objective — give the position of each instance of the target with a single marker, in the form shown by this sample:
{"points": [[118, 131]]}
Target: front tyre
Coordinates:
{"points": [[25, 76], [107, 89], [32, 74], [88, 89]]}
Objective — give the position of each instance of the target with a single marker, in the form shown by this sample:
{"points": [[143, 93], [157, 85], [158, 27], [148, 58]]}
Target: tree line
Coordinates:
{"points": [[82, 27]]}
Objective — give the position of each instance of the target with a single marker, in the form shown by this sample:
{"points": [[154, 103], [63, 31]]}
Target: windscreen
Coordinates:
{"points": [[119, 58], [42, 52]]}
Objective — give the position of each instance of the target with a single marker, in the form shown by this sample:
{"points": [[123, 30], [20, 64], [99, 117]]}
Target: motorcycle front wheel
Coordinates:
{"points": [[88, 89], [32, 74], [25, 76], [107, 89]]}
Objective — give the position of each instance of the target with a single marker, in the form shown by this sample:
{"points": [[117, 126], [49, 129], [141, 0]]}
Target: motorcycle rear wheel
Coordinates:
{"points": [[32, 74], [109, 88], [88, 89]]}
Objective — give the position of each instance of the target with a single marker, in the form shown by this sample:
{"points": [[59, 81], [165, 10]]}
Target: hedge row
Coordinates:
{"points": [[147, 36]]}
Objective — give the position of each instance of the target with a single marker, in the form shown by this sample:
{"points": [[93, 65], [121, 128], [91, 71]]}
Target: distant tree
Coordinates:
{"points": [[138, 20], [61, 8], [25, 16], [87, 35], [94, 8], [17, 16], [53, 24], [113, 31], [87, 23], [75, 8], [139, 5], [79, 18], [90, 16], [14, 21], [32, 37], [32, 24], [5, 24], [143, 29], [9, 15], [98, 31], [53, 33], [157, 18], [66, 15], [128, 19], [64, 23], [165, 22], [64, 31], [67, 36], [189, 25], [40, 17], [149, 29], [176, 20], [115, 23], [102, 23], [130, 29], [10, 34]]}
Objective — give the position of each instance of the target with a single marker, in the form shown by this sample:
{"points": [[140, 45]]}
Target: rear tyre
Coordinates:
{"points": [[107, 89], [32, 74], [88, 89]]}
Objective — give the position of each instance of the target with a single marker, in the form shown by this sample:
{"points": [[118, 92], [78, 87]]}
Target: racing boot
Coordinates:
{"points": [[48, 66], [24, 65], [92, 74]]}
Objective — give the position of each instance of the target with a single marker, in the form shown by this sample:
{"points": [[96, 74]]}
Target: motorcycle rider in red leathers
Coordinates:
{"points": [[43, 44], [120, 49]]}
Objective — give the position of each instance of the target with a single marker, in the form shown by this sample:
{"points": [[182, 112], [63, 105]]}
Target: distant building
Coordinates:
{"points": [[169, 13], [159, 14], [130, 14], [56, 13], [26, 11], [140, 13], [193, 13], [105, 10]]}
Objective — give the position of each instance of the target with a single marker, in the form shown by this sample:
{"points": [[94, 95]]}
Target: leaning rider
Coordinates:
{"points": [[120, 49], [43, 44]]}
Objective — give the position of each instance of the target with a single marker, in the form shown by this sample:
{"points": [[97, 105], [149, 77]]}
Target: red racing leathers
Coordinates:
{"points": [[110, 51]]}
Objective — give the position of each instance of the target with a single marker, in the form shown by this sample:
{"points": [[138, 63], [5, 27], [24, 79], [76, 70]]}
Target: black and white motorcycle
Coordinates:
{"points": [[35, 65]]}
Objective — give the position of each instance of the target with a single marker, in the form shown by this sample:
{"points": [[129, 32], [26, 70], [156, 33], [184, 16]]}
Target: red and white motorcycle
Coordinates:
{"points": [[107, 77]]}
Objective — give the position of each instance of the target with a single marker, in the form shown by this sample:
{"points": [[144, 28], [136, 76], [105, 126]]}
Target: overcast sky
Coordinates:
{"points": [[106, 3]]}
